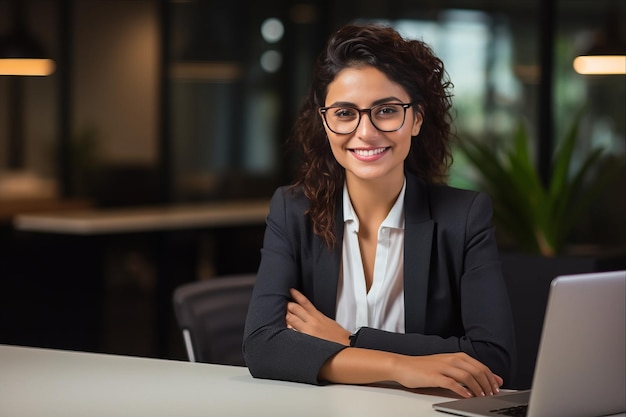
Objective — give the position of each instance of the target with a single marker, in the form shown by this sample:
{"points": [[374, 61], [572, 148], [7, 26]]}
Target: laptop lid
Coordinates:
{"points": [[581, 366]]}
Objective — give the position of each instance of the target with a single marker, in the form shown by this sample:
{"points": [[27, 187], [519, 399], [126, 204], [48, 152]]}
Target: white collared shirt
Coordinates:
{"points": [[383, 306]]}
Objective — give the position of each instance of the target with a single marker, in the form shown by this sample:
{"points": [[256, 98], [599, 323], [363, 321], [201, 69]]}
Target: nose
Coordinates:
{"points": [[366, 129]]}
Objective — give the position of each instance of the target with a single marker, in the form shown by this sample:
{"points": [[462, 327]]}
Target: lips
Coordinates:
{"points": [[366, 153]]}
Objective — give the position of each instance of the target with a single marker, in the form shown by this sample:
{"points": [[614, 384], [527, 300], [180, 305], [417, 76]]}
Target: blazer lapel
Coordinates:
{"points": [[418, 241]]}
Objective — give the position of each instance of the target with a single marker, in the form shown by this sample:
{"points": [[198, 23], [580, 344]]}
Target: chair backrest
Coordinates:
{"points": [[211, 314]]}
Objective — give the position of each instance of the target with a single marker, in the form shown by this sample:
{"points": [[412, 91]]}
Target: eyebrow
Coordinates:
{"points": [[375, 103]]}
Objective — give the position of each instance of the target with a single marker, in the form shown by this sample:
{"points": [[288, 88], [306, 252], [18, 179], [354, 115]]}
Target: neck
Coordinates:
{"points": [[373, 199]]}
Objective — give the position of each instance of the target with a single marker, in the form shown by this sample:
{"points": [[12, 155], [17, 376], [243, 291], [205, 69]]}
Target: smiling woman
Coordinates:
{"points": [[372, 269]]}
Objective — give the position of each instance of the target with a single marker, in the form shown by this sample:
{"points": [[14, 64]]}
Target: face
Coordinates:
{"points": [[367, 153]]}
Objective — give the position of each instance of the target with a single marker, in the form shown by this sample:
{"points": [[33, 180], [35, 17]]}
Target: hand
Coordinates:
{"points": [[302, 316], [458, 372]]}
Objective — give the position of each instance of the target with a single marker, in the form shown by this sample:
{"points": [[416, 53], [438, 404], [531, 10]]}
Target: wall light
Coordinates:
{"points": [[21, 53]]}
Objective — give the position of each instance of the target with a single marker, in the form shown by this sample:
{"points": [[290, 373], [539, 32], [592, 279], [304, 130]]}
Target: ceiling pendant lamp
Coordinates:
{"points": [[607, 55], [20, 52]]}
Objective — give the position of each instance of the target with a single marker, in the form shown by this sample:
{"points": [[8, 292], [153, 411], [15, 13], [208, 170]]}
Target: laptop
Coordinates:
{"points": [[581, 367]]}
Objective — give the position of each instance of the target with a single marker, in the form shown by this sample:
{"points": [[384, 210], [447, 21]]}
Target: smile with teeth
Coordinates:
{"points": [[368, 152]]}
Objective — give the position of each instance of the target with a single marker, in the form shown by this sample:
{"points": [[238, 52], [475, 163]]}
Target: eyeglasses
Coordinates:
{"points": [[344, 120]]}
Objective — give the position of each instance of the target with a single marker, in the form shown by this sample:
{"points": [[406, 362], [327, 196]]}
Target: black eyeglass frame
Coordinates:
{"points": [[405, 106]]}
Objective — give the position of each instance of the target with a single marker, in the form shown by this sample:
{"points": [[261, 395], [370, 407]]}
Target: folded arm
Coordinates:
{"points": [[457, 372]]}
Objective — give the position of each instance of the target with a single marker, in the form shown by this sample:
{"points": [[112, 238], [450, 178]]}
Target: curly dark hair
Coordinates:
{"points": [[410, 63]]}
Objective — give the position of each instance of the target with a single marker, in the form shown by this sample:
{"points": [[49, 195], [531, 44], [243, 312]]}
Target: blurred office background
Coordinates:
{"points": [[190, 101]]}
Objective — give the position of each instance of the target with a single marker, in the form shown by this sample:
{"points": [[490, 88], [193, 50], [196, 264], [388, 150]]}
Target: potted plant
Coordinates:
{"points": [[537, 218]]}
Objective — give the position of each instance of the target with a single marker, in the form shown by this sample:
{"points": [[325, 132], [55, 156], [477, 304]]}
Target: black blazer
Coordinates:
{"points": [[454, 294]]}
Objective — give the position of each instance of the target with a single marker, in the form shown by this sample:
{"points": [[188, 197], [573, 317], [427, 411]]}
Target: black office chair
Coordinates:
{"points": [[211, 315]]}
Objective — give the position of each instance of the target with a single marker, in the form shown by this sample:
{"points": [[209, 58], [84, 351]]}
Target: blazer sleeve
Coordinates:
{"points": [[271, 350], [468, 306], [485, 308]]}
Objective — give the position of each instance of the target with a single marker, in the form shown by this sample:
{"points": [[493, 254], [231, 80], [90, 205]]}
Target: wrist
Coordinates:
{"points": [[353, 337], [396, 367]]}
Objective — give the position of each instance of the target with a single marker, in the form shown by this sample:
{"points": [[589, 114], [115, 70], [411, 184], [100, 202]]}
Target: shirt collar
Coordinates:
{"points": [[394, 219]]}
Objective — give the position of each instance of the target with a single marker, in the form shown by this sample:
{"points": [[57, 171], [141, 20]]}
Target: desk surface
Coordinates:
{"points": [[41, 382], [145, 219]]}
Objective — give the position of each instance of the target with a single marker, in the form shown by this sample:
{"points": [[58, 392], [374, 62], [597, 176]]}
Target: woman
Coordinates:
{"points": [[372, 270]]}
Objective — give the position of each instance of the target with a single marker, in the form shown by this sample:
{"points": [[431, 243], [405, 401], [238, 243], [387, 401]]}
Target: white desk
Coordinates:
{"points": [[52, 383]]}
